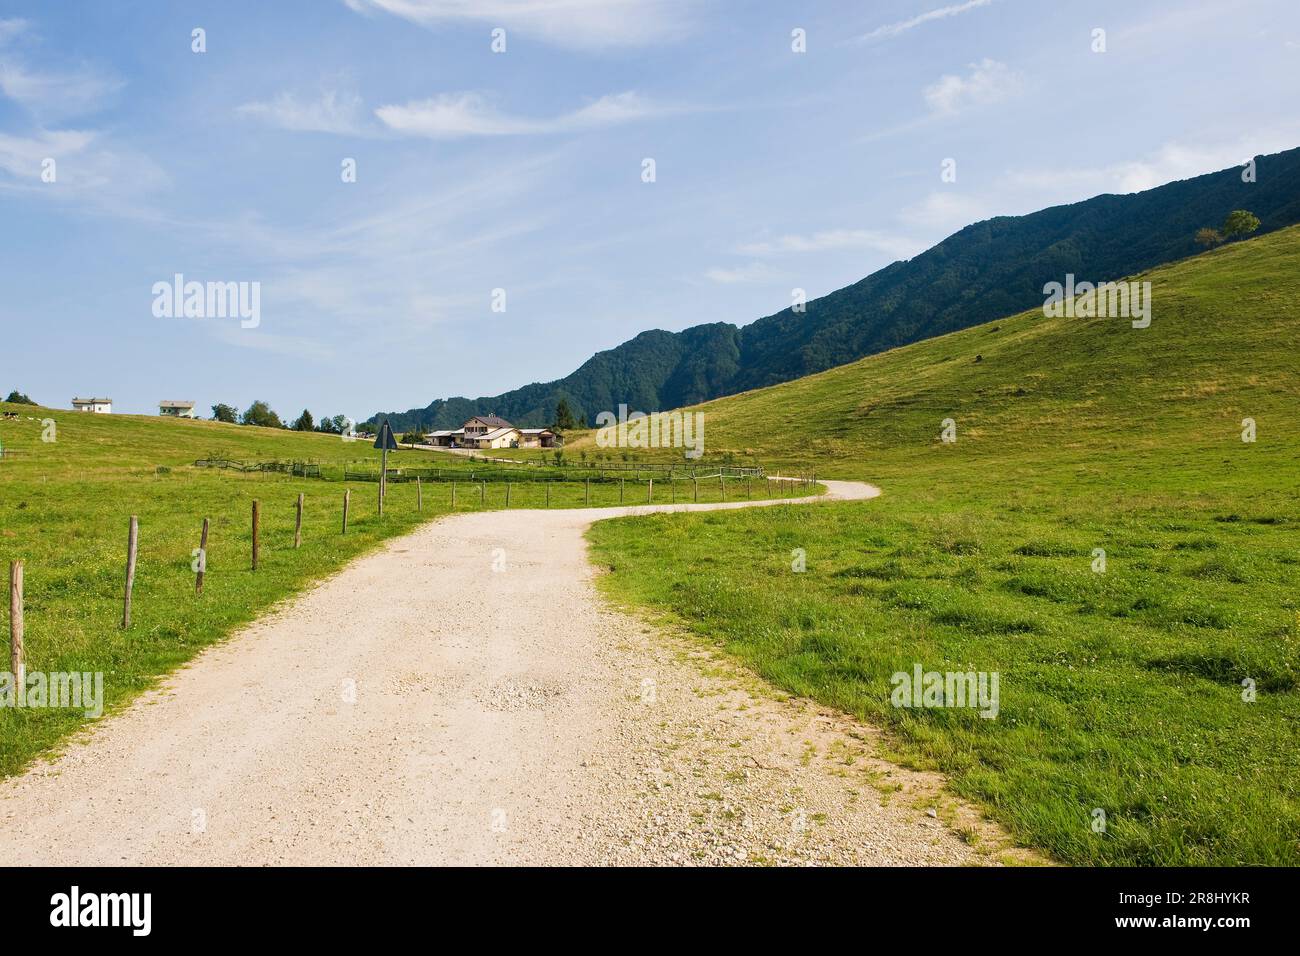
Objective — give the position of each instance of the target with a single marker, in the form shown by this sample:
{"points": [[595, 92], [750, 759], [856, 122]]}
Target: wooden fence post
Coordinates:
{"points": [[620, 489], [548, 493], [132, 540], [769, 486], [588, 501], [297, 526], [749, 488], [347, 499], [507, 494], [722, 486], [697, 488], [453, 496], [672, 487], [650, 492], [203, 559], [419, 495], [257, 530], [16, 666]]}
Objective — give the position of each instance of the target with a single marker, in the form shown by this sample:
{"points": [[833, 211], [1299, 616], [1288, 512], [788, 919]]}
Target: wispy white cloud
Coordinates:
{"points": [[333, 111], [395, 271], [48, 95], [832, 239], [1169, 162], [455, 115], [582, 24], [753, 272], [89, 169], [988, 81], [52, 96], [21, 156], [942, 13]]}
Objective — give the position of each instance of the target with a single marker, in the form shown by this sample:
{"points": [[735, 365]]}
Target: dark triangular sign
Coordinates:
{"points": [[385, 439]]}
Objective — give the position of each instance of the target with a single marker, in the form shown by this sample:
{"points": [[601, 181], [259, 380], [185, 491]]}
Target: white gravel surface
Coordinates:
{"points": [[420, 707]]}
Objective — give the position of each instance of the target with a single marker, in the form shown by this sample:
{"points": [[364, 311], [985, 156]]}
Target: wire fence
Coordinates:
{"points": [[493, 470]]}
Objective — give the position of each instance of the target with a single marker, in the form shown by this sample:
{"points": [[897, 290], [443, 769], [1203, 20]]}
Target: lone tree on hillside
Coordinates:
{"points": [[260, 413], [1238, 224], [564, 419], [1207, 237], [305, 422], [18, 398], [225, 413]]}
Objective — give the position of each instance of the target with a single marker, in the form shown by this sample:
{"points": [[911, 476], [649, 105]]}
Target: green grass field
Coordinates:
{"points": [[65, 507], [1120, 691]]}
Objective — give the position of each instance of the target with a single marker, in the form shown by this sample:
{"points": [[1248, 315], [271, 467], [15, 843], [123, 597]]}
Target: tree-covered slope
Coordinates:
{"points": [[987, 270]]}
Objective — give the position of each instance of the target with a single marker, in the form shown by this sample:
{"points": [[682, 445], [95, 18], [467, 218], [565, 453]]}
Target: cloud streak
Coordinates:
{"points": [[51, 96], [579, 24], [832, 239], [754, 272], [459, 115], [942, 13], [332, 112]]}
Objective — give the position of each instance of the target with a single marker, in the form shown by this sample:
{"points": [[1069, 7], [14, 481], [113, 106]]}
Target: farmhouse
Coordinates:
{"points": [[176, 409], [492, 431], [102, 405]]}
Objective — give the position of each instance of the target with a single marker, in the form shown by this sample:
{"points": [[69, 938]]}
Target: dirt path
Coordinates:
{"points": [[421, 707]]}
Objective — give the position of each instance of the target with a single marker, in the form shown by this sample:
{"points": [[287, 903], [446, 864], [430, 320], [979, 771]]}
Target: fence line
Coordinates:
{"points": [[787, 485], [305, 469]]}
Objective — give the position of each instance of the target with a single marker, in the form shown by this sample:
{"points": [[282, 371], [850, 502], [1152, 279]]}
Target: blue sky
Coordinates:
{"points": [[522, 170]]}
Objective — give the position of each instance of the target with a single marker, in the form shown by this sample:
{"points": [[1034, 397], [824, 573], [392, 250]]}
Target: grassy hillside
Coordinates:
{"points": [[65, 506], [1121, 691], [64, 509]]}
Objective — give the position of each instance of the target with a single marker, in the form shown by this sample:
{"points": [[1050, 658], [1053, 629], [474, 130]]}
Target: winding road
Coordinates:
{"points": [[463, 695]]}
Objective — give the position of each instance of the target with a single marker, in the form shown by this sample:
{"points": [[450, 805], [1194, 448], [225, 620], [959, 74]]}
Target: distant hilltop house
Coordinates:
{"points": [[101, 405], [176, 409], [492, 431]]}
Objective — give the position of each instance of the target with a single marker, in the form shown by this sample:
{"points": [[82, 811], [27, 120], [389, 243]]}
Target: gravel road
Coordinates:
{"points": [[464, 696]]}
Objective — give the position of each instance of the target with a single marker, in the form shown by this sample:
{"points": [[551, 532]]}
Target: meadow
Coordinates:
{"points": [[1099, 534], [65, 506]]}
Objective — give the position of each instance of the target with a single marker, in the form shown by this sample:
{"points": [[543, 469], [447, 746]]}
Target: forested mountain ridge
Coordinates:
{"points": [[985, 271]]}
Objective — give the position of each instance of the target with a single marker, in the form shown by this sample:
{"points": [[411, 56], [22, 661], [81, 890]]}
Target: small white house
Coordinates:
{"points": [[176, 409], [101, 405], [492, 431]]}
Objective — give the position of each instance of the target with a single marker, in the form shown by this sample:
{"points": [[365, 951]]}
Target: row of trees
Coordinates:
{"points": [[261, 413], [18, 398]]}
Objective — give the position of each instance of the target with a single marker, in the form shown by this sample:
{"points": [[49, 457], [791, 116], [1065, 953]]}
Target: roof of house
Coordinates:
{"points": [[91, 401], [536, 431], [496, 433], [491, 419], [167, 403], [446, 433]]}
